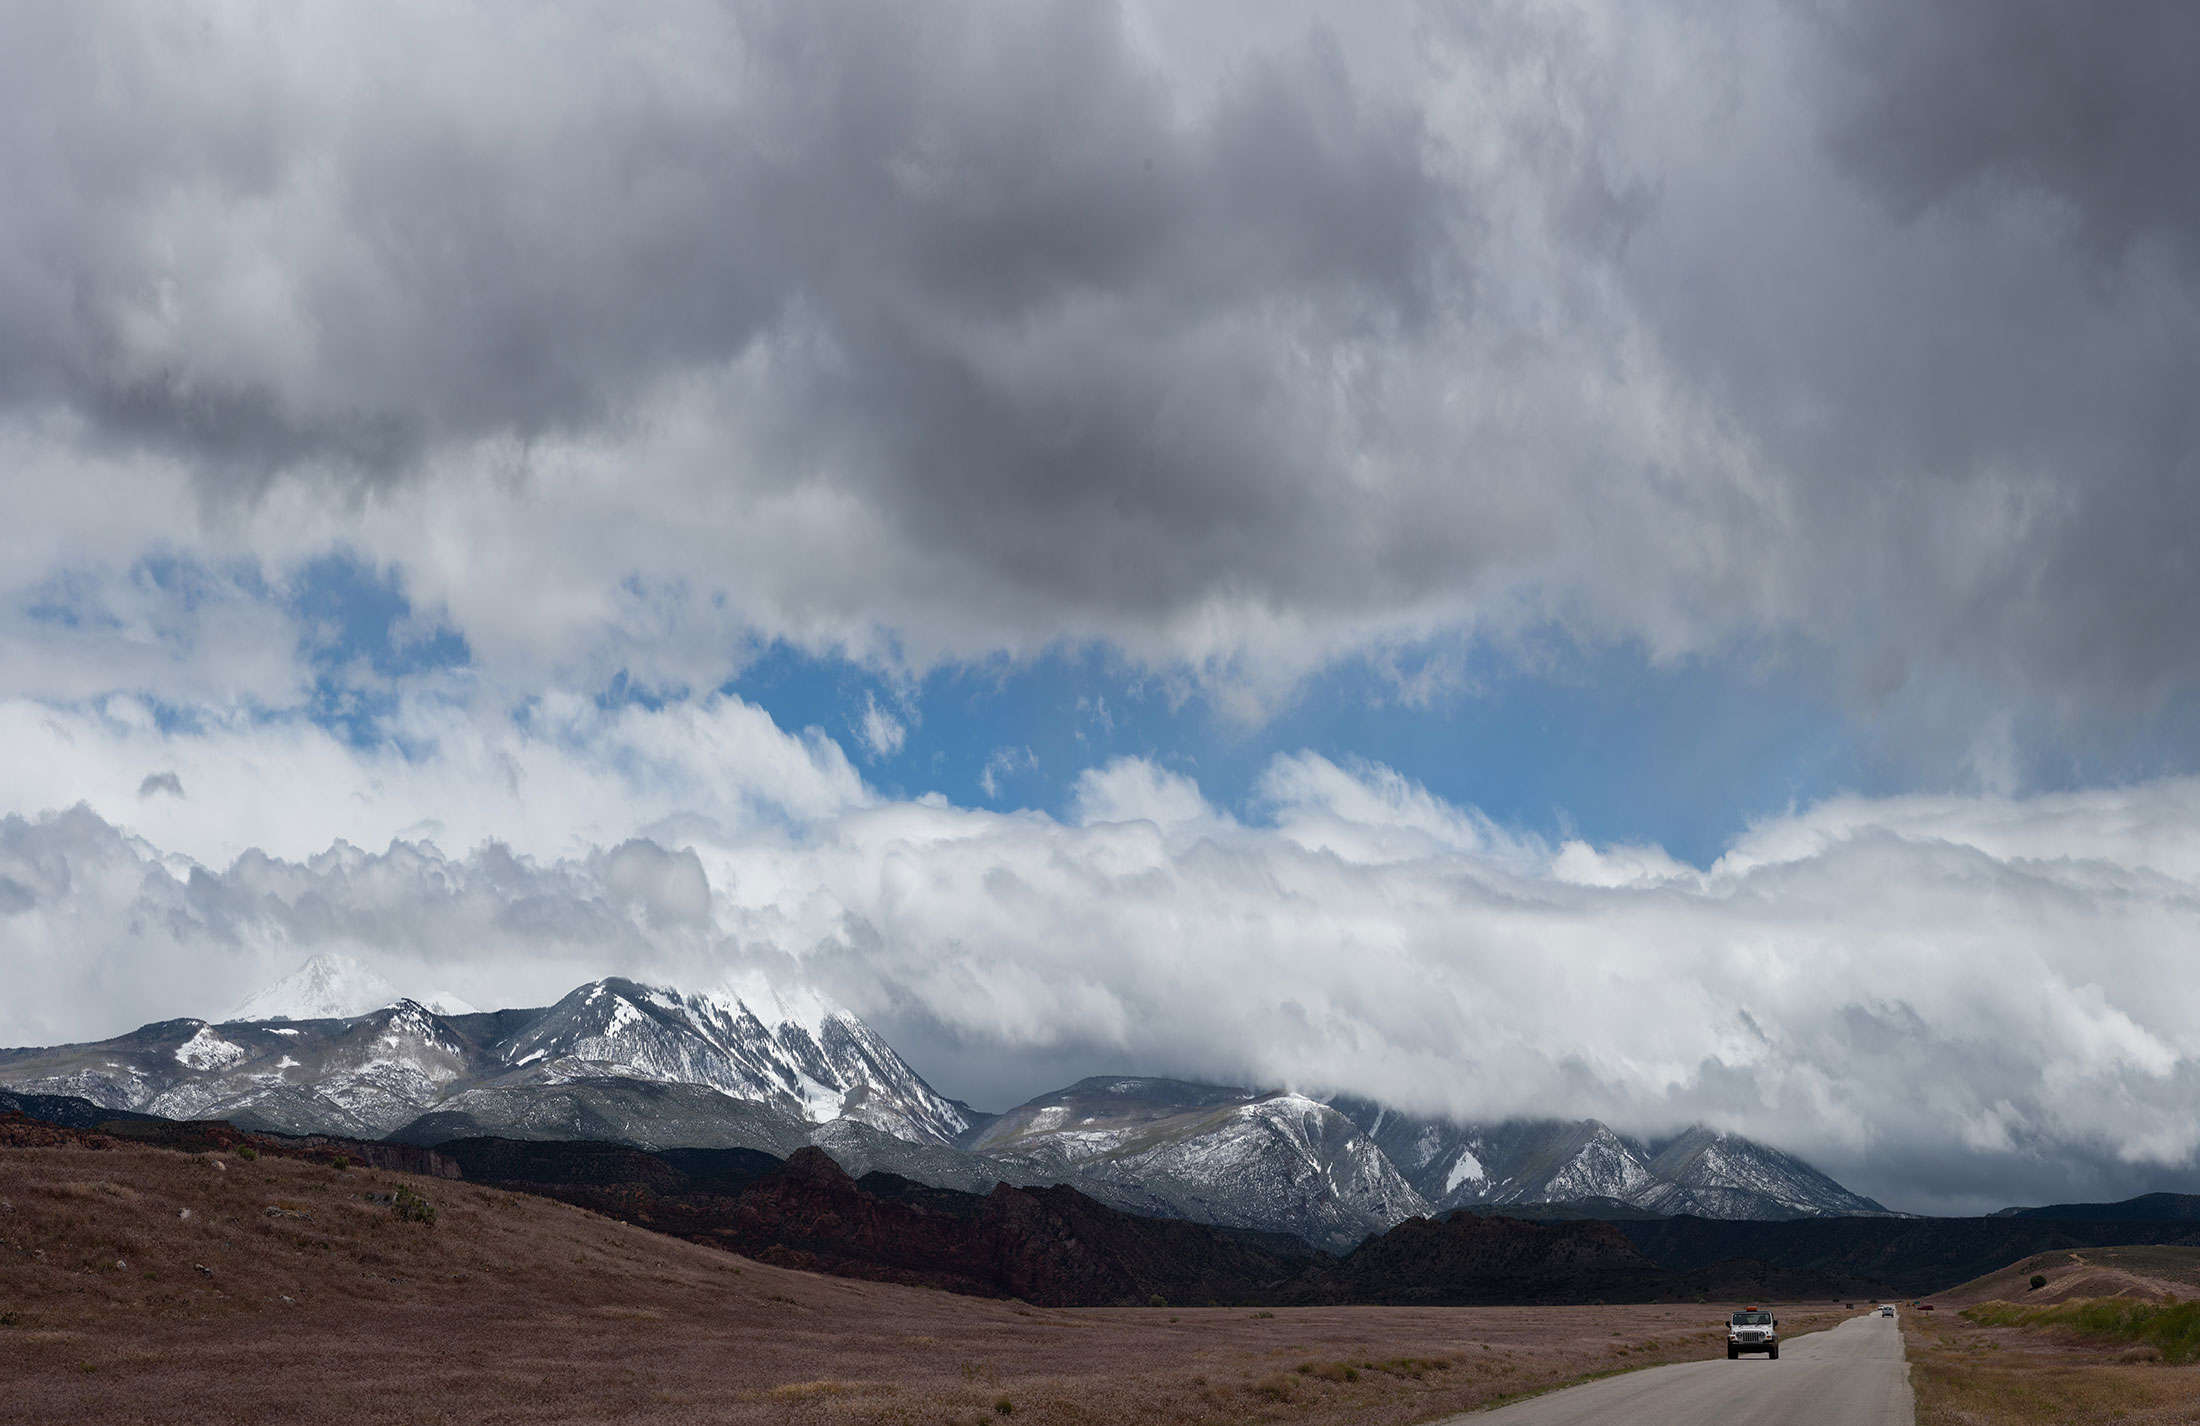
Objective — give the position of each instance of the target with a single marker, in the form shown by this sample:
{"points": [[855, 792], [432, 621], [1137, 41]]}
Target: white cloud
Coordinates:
{"points": [[1002, 764], [880, 732], [564, 778], [1949, 1002], [1138, 790]]}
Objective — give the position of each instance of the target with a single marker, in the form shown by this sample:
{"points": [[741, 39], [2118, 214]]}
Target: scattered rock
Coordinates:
{"points": [[273, 1212], [204, 1269], [184, 1214]]}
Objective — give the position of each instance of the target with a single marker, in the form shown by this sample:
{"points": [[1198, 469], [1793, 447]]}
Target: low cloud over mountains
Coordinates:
{"points": [[1913, 994]]}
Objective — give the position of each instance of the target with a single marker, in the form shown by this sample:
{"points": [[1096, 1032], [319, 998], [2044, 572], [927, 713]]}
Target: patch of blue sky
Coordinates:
{"points": [[187, 584], [1599, 745], [354, 613], [171, 718], [70, 599], [365, 642]]}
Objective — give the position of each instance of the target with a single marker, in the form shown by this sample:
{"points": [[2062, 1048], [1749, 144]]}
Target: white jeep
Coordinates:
{"points": [[1753, 1329]]}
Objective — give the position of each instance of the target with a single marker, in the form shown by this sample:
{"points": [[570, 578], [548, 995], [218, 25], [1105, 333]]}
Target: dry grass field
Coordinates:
{"points": [[1969, 1374], [142, 1285]]}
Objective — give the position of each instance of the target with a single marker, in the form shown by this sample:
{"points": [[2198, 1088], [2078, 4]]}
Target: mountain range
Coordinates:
{"points": [[760, 1067]]}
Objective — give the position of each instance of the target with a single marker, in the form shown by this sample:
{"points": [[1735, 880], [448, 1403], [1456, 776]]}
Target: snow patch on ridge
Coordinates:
{"points": [[208, 1051], [1465, 1169]]}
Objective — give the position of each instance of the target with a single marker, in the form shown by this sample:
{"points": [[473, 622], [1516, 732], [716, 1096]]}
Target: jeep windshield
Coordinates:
{"points": [[1750, 1319]]}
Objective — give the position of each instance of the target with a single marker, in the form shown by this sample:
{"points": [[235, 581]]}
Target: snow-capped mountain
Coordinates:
{"points": [[1233, 1157], [801, 1055], [360, 1076], [327, 987], [1702, 1172], [1719, 1175], [758, 1067], [371, 1074]]}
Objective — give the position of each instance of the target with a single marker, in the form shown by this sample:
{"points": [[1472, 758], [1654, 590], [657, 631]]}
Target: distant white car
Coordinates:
{"points": [[1886, 1309], [1753, 1330]]}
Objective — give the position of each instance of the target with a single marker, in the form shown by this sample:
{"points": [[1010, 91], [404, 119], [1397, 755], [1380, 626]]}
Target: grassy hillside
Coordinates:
{"points": [[2144, 1270], [2105, 1339]]}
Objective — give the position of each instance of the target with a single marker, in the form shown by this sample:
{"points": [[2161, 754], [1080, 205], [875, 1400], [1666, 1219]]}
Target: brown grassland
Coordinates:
{"points": [[143, 1285], [1969, 1374]]}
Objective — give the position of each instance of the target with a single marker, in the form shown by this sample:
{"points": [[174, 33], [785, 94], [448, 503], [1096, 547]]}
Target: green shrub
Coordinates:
{"points": [[2039, 1280], [1330, 1371], [410, 1207], [1004, 1407], [1157, 1300], [340, 1162], [246, 1153]]}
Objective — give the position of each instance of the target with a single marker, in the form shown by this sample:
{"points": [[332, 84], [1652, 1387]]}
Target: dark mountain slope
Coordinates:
{"points": [[1055, 1246], [2146, 1208], [1915, 1255]]}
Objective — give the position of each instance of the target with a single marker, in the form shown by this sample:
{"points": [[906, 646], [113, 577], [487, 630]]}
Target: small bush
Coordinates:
{"points": [[410, 1207], [1157, 1300], [1330, 1371], [2039, 1280], [1004, 1407], [340, 1162], [246, 1153]]}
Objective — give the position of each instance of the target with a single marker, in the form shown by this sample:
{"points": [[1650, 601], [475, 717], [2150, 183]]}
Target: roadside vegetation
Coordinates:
{"points": [[2071, 1364], [2171, 1328]]}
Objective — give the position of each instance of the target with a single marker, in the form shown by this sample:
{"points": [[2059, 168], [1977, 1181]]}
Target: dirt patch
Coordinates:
{"points": [[116, 1306]]}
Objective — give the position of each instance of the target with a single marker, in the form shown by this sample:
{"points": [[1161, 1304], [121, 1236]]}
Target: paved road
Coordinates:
{"points": [[1853, 1375]]}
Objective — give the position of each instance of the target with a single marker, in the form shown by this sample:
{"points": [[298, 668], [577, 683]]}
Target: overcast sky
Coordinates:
{"points": [[1566, 557]]}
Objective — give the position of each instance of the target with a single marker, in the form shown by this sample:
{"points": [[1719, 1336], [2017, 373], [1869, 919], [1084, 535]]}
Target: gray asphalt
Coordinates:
{"points": [[1854, 1375]]}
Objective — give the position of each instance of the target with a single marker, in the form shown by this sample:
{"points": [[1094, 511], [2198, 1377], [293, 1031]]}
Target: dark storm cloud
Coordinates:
{"points": [[308, 271], [1860, 333], [2093, 105]]}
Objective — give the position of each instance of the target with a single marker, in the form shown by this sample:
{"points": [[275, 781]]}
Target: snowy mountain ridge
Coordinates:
{"points": [[1234, 1157], [752, 1065], [1704, 1172], [370, 1073]]}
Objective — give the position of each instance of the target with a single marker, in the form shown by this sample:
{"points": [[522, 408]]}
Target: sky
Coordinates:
{"points": [[1551, 557]]}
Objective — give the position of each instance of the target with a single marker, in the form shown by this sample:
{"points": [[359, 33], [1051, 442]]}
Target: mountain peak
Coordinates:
{"points": [[327, 987]]}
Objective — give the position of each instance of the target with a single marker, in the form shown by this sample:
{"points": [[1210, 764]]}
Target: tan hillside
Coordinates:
{"points": [[145, 1285]]}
